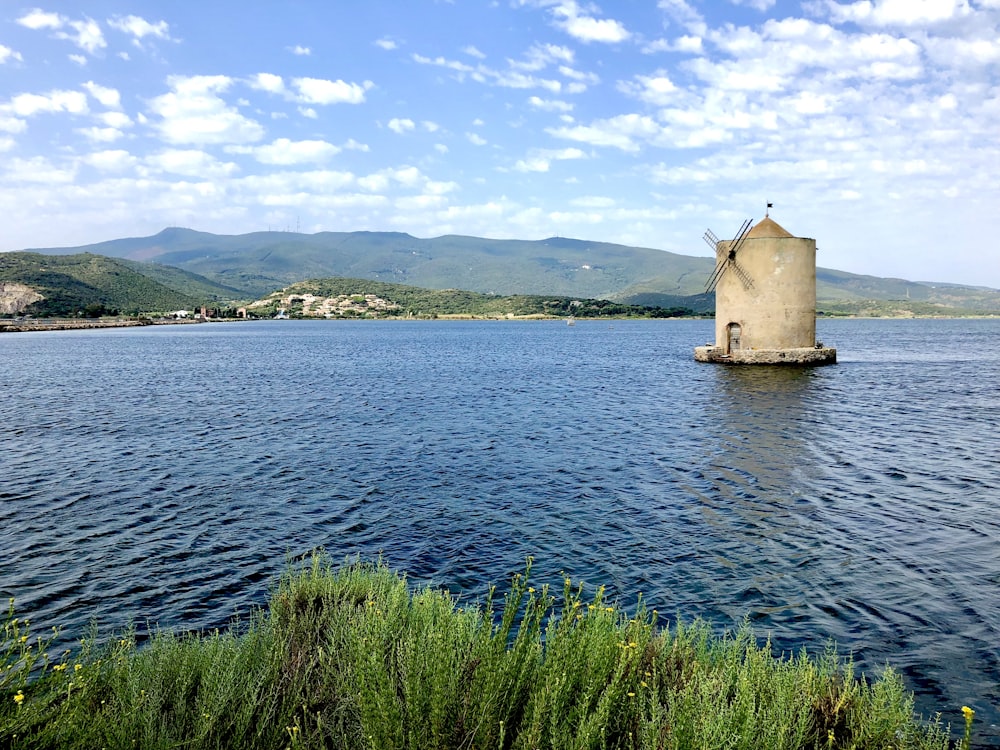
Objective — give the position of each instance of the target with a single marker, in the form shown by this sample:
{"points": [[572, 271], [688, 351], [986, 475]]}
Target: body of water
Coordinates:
{"points": [[165, 474]]}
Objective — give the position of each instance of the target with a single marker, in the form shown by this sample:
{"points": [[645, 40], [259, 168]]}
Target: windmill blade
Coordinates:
{"points": [[735, 245], [742, 274], [713, 280], [711, 240], [729, 258]]}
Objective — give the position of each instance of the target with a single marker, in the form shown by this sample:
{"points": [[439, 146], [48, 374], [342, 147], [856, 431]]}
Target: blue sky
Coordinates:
{"points": [[871, 125]]}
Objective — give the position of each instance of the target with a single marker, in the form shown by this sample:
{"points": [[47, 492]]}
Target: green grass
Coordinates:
{"points": [[352, 657]]}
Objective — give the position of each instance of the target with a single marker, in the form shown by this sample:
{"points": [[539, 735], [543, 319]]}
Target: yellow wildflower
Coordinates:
{"points": [[631, 695], [58, 667], [968, 712], [77, 667], [19, 698], [609, 609], [22, 639]]}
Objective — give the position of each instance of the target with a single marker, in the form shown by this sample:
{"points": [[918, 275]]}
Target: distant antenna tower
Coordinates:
{"points": [[296, 225]]}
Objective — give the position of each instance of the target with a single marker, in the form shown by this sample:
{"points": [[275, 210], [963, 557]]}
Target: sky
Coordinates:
{"points": [[872, 126]]}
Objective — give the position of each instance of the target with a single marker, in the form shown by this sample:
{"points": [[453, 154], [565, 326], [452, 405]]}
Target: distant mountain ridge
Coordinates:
{"points": [[251, 266]]}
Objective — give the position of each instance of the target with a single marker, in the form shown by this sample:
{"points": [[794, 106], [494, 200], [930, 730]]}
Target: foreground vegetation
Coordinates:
{"points": [[351, 657]]}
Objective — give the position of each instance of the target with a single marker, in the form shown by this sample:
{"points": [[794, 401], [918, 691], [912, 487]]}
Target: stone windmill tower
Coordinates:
{"points": [[765, 299]]}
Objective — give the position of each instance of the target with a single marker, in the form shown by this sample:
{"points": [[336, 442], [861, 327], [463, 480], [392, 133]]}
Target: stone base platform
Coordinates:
{"points": [[808, 356]]}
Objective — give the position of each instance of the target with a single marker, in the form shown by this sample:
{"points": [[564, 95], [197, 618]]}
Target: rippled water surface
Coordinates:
{"points": [[164, 474]]}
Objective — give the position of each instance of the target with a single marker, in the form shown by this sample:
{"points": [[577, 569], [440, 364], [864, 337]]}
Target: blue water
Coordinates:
{"points": [[165, 475]]}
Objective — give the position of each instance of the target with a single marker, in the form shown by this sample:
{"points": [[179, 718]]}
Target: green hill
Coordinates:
{"points": [[93, 284], [344, 298], [253, 265], [261, 262]]}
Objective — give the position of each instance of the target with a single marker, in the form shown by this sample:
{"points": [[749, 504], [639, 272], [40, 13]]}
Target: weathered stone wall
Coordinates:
{"points": [[779, 310], [796, 356]]}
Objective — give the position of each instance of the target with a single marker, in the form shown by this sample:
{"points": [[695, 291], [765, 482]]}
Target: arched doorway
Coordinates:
{"points": [[733, 333]]}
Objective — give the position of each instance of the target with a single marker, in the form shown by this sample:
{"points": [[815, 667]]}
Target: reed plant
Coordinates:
{"points": [[350, 656]]}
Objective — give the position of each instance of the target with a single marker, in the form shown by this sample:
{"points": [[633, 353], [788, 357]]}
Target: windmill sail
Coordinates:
{"points": [[729, 258]]}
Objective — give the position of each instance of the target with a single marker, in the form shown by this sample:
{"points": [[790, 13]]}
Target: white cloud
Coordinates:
{"points": [[139, 27], [476, 139], [593, 201], [290, 188], [386, 44], [902, 13], [656, 89], [471, 51], [191, 163], [100, 135], [581, 24], [539, 160], [400, 126], [269, 82], [621, 132], [964, 52], [322, 91], [115, 119], [27, 105], [283, 151], [408, 176], [540, 56], [107, 96], [86, 35], [6, 53], [761, 5], [115, 160], [38, 19], [532, 164], [520, 74], [80, 60], [550, 105], [454, 65], [683, 14], [193, 112], [11, 124], [38, 169], [436, 187], [298, 49], [308, 112]]}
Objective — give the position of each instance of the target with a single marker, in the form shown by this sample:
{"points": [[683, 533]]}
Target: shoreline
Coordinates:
{"points": [[10, 325], [73, 324]]}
